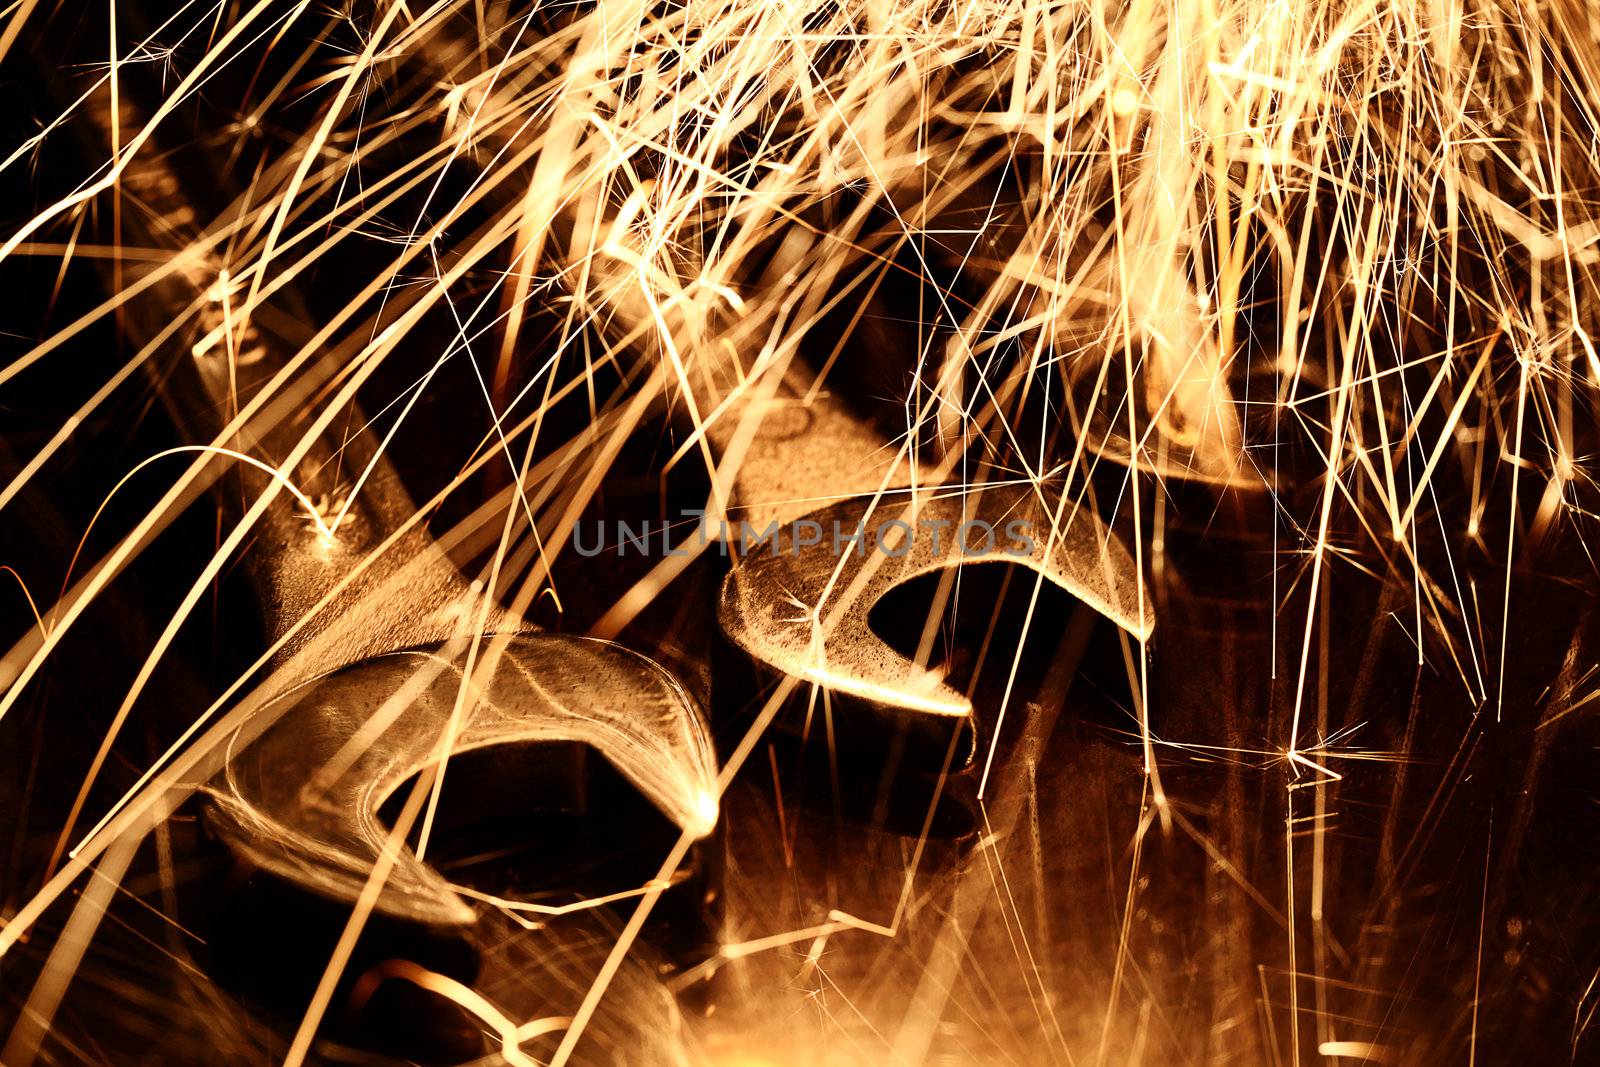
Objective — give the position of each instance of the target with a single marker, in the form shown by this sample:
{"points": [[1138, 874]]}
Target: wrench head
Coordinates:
{"points": [[800, 601], [301, 801]]}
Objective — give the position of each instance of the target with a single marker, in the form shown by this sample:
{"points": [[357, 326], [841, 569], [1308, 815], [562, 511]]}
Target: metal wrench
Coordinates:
{"points": [[825, 482], [804, 608], [380, 662]]}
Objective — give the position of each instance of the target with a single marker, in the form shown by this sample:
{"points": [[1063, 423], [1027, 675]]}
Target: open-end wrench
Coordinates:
{"points": [[830, 516], [802, 606], [379, 620], [815, 487]]}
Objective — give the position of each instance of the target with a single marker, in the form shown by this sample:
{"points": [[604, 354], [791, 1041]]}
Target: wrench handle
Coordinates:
{"points": [[234, 385]]}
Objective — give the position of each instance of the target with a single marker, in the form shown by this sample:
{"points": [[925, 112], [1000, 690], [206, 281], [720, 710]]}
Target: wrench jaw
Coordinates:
{"points": [[801, 607], [301, 801]]}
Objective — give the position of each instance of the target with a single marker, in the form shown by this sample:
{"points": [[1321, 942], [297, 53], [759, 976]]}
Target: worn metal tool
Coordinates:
{"points": [[381, 619], [852, 515], [802, 605]]}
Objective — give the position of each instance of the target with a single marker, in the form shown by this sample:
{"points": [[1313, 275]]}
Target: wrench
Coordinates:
{"points": [[376, 672], [803, 608], [799, 601]]}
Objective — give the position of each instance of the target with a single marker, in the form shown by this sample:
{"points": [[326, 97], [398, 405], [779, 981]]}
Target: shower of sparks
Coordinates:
{"points": [[1336, 261]]}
